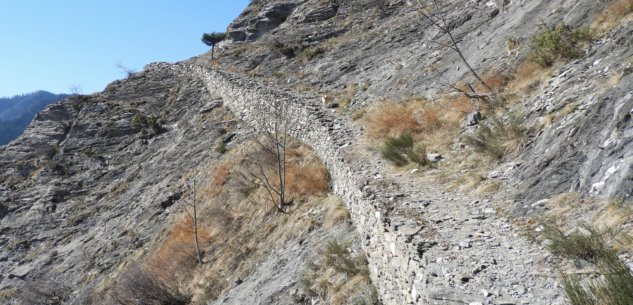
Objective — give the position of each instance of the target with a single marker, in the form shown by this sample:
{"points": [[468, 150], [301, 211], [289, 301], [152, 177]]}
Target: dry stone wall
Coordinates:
{"points": [[394, 256]]}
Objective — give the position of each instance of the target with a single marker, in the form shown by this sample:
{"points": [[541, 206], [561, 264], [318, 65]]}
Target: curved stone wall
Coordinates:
{"points": [[393, 256]]}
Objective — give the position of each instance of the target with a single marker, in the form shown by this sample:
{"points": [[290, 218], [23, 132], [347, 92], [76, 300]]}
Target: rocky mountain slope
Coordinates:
{"points": [[17, 112], [95, 186]]}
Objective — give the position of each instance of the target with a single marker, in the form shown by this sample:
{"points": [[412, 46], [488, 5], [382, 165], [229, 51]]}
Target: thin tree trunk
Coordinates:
{"points": [[195, 221], [466, 62]]}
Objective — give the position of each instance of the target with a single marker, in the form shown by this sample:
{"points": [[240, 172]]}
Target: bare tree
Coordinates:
{"points": [[75, 89], [439, 19], [192, 202], [124, 69], [154, 284], [267, 167]]}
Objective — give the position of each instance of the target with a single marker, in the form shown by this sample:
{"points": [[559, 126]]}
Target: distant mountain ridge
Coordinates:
{"points": [[18, 111]]}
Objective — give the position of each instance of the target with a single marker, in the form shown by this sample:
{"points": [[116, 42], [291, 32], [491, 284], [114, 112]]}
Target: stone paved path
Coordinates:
{"points": [[472, 255]]}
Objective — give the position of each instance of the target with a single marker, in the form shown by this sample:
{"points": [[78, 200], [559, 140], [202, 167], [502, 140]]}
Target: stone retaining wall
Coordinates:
{"points": [[393, 250]]}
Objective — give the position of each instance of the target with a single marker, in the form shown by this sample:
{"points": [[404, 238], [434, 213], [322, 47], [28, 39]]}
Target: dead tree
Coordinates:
{"points": [[267, 167], [439, 19], [124, 69], [192, 202]]}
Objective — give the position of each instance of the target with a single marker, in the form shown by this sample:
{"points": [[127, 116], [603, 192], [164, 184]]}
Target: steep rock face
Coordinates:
{"points": [[72, 201], [258, 19], [389, 48], [590, 150], [83, 188]]}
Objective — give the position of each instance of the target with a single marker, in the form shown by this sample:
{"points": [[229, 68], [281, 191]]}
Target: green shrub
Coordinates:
{"points": [[615, 286], [349, 281], [309, 54], [497, 138], [152, 122], [558, 41], [575, 245], [285, 50], [56, 167], [402, 151], [140, 121], [278, 75], [221, 148]]}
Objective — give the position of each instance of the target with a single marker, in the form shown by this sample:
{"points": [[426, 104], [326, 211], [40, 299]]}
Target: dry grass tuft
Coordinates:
{"points": [[389, 118], [178, 249], [392, 118], [472, 182], [305, 181], [497, 81], [613, 14], [336, 214], [488, 188]]}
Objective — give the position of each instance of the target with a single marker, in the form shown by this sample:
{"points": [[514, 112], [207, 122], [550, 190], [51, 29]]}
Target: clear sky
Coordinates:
{"points": [[52, 45]]}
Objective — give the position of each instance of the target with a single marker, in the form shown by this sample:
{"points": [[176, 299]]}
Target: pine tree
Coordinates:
{"points": [[211, 39]]}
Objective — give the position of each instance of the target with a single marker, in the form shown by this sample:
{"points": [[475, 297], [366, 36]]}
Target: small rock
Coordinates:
{"points": [[464, 277], [464, 244], [473, 118], [434, 157], [485, 293]]}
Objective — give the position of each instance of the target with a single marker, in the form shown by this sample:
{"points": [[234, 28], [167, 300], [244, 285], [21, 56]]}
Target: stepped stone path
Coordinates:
{"points": [[469, 254]]}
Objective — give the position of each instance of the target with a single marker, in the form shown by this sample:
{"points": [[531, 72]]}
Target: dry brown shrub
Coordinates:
{"points": [[390, 118], [496, 80], [178, 249], [336, 214], [614, 11], [456, 106], [306, 181], [529, 77], [527, 69], [219, 175]]}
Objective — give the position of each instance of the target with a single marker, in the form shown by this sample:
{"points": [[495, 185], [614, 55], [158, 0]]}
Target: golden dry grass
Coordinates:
{"points": [[392, 118], [389, 118], [337, 213], [613, 14], [487, 188], [305, 181], [605, 215], [235, 229], [178, 248]]}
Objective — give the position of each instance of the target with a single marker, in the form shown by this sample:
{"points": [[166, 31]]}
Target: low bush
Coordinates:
{"points": [[309, 54], [141, 121], [558, 41], [614, 286], [498, 138], [587, 245], [339, 278], [221, 148], [402, 151], [145, 286], [57, 167], [285, 50]]}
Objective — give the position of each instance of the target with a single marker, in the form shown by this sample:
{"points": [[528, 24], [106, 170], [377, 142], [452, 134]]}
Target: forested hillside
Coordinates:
{"points": [[17, 112]]}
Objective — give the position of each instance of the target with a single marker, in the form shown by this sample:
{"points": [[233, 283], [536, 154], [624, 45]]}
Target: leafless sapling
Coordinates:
{"points": [[124, 69], [439, 19], [267, 167], [191, 209]]}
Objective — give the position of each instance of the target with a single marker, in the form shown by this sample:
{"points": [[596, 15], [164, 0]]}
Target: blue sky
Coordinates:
{"points": [[52, 45]]}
